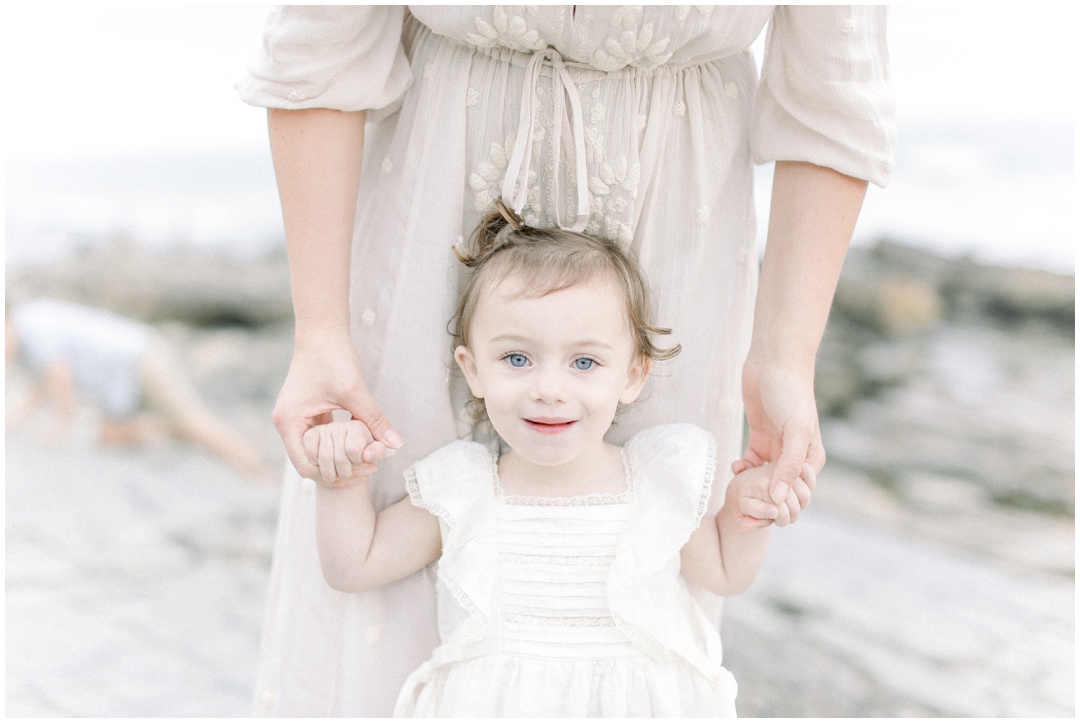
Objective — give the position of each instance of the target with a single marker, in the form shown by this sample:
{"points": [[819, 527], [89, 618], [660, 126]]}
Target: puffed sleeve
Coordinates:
{"points": [[330, 56], [824, 96]]}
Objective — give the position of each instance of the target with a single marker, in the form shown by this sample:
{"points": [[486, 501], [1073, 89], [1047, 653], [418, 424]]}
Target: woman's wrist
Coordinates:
{"points": [[793, 360], [311, 332]]}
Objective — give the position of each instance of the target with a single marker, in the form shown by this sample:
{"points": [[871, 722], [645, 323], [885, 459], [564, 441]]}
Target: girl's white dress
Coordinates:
{"points": [[570, 607], [649, 117]]}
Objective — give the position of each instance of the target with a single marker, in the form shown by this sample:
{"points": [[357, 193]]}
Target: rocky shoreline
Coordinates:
{"points": [[947, 394]]}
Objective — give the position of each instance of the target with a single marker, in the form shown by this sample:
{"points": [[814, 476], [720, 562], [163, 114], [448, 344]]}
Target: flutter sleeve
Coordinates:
{"points": [[456, 483], [824, 96], [341, 57]]}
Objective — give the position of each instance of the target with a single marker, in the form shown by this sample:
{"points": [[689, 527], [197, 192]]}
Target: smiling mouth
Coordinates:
{"points": [[550, 426]]}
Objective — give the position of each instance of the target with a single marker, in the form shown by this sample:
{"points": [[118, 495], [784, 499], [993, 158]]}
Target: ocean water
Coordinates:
{"points": [[1001, 192]]}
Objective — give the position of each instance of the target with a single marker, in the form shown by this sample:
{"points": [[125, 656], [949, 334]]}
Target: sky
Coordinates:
{"points": [[100, 80]]}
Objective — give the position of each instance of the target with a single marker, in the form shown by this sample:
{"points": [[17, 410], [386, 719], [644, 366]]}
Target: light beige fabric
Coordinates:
{"points": [[668, 126]]}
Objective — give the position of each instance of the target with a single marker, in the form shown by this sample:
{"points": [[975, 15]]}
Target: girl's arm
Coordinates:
{"points": [[360, 550], [317, 156], [726, 556], [813, 215]]}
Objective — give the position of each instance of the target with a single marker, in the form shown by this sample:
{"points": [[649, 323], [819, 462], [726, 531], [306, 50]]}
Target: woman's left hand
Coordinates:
{"points": [[783, 421]]}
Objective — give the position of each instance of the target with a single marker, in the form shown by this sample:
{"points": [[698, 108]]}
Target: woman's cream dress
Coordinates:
{"points": [[637, 123]]}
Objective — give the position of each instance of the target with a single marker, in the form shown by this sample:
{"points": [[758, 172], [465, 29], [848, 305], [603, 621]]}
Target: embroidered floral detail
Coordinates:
{"points": [[597, 114], [619, 173], [372, 634], [731, 89], [627, 15], [486, 181], [472, 97], [679, 109], [367, 319], [511, 32], [594, 144], [682, 11], [633, 46], [387, 166], [619, 231], [847, 26], [642, 120], [605, 201], [429, 70], [702, 215]]}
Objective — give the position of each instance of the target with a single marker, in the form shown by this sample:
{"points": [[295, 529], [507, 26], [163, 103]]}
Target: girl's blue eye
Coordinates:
{"points": [[517, 360], [584, 363]]}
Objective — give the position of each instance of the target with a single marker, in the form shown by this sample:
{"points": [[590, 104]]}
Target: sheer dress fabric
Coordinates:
{"points": [[672, 116], [570, 607]]}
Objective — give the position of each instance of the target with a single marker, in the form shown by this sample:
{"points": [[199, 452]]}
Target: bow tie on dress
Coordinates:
{"points": [[568, 135]]}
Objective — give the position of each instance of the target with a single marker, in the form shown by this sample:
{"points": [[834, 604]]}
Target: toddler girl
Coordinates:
{"points": [[566, 565]]}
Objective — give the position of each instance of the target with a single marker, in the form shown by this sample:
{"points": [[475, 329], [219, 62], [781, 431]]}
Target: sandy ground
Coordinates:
{"points": [[136, 581]]}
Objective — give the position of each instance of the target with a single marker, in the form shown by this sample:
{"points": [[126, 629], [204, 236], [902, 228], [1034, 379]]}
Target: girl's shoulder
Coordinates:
{"points": [[675, 464], [451, 477], [683, 446]]}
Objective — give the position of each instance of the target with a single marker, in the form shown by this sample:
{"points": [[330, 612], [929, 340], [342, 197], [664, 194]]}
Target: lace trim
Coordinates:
{"points": [[580, 560], [706, 489], [569, 622], [412, 486], [623, 498], [601, 498]]}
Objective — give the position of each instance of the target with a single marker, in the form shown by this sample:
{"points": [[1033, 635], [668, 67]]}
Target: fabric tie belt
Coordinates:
{"points": [[568, 135]]}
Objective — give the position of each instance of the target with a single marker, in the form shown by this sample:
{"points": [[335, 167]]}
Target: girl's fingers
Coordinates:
{"points": [[343, 464], [357, 440], [325, 460], [753, 523], [358, 473], [376, 451], [760, 509], [311, 446]]}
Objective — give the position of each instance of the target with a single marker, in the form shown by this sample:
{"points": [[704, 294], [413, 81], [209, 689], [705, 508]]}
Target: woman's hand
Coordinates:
{"points": [[318, 154], [783, 421], [325, 376], [810, 225]]}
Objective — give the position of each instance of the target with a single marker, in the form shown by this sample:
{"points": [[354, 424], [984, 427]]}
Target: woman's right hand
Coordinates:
{"points": [[325, 376]]}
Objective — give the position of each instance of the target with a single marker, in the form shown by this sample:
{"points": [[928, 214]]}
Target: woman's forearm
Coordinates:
{"points": [[317, 156], [813, 215]]}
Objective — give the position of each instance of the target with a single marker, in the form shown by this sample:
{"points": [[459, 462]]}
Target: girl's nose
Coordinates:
{"points": [[548, 386]]}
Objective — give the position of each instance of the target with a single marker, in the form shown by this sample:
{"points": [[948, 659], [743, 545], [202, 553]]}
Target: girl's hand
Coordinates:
{"points": [[344, 452], [755, 508], [325, 376]]}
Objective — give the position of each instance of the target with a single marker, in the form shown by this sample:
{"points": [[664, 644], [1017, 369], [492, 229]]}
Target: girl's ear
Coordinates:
{"points": [[636, 377], [467, 364]]}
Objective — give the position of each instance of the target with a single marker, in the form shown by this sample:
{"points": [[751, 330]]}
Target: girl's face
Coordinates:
{"points": [[552, 369]]}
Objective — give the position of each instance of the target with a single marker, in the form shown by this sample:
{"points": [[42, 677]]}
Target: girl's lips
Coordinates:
{"points": [[549, 426]]}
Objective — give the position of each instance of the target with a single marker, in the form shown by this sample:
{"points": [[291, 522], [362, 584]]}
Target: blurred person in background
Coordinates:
{"points": [[124, 368]]}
